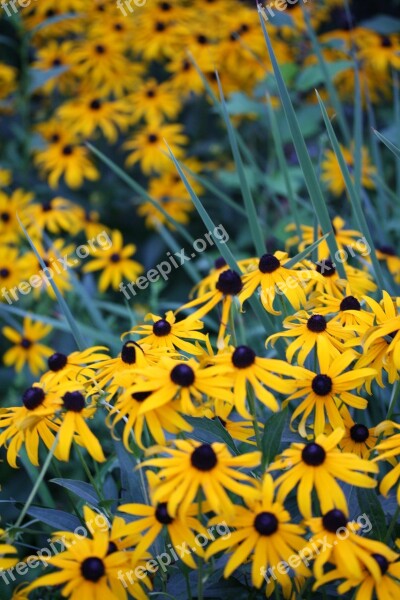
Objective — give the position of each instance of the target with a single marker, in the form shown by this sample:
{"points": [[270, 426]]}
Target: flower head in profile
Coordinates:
{"points": [[272, 277], [332, 173], [312, 331], [317, 465], [27, 349], [190, 467], [388, 449]]}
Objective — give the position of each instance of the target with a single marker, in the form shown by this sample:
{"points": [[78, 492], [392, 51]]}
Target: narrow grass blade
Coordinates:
{"points": [[355, 200], [171, 243], [388, 144], [139, 190], [307, 167], [332, 93], [223, 248], [215, 191], [396, 99], [80, 342], [358, 132], [254, 223], [382, 204], [302, 255], [278, 145]]}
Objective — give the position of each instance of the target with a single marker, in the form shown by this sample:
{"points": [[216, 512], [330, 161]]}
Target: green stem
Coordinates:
{"points": [[39, 480], [252, 405], [393, 399]]}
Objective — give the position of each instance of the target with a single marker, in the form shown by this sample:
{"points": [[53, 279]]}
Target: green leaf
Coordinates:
{"points": [[80, 342], [39, 77], [271, 440], [57, 519], [314, 75], [382, 24], [370, 505], [82, 489], [209, 430], [306, 164]]}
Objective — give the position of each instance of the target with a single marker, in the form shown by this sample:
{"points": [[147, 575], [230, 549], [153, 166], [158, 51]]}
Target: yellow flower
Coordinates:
{"points": [[115, 263], [6, 548], [67, 159], [190, 466], [27, 349], [271, 275], [332, 174], [149, 148], [91, 567], [339, 543], [317, 465], [312, 331], [29, 423], [264, 533], [89, 114], [55, 215], [10, 205], [327, 394], [169, 334], [388, 449], [154, 102]]}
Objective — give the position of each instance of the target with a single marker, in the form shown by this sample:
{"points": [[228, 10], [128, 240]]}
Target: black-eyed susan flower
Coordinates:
{"points": [[10, 205], [187, 381], [317, 465], [113, 372], [339, 543], [190, 466], [228, 285], [76, 408], [389, 255], [348, 311], [264, 534], [69, 160], [169, 334], [29, 423], [148, 147], [312, 331], [27, 348], [243, 367], [89, 114], [386, 588], [152, 520], [13, 269], [158, 420], [383, 53], [328, 392], [115, 262], [271, 275], [6, 549], [388, 449], [154, 102], [78, 366], [360, 282], [332, 175], [344, 237], [91, 566], [55, 215], [224, 413], [387, 325], [358, 438]]}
